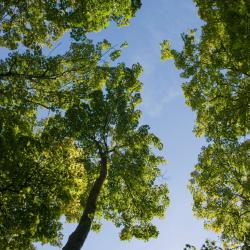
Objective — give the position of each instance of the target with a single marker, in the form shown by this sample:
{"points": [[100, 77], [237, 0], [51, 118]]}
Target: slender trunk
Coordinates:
{"points": [[78, 237]]}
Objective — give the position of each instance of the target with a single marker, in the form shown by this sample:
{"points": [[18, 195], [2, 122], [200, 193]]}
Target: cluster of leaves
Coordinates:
{"points": [[208, 245], [40, 180], [37, 23], [220, 187], [217, 70]]}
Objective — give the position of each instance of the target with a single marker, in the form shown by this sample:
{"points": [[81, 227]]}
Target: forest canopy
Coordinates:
{"points": [[217, 70], [72, 141]]}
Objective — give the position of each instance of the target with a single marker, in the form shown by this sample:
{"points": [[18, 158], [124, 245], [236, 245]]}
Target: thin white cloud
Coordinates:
{"points": [[154, 108]]}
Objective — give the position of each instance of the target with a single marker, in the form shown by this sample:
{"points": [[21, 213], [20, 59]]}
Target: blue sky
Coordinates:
{"points": [[165, 111]]}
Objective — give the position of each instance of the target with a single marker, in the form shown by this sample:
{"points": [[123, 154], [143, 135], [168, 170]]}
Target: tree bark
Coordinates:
{"points": [[78, 237]]}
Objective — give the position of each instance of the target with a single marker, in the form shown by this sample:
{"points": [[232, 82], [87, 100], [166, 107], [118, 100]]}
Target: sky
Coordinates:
{"points": [[170, 119]]}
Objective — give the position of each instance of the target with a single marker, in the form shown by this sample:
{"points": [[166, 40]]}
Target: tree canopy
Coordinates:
{"points": [[217, 70], [62, 117], [42, 22], [220, 188], [71, 139], [105, 124]]}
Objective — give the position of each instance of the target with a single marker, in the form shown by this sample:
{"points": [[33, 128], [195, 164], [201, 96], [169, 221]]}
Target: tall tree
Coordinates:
{"points": [[217, 70], [42, 22], [45, 187], [117, 153], [50, 165], [88, 153]]}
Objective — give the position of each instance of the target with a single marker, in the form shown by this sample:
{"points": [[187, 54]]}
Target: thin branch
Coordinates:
{"points": [[38, 103]]}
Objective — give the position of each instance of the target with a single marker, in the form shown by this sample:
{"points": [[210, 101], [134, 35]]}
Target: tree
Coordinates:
{"points": [[48, 176], [217, 70], [89, 143], [121, 166], [41, 23], [49, 167]]}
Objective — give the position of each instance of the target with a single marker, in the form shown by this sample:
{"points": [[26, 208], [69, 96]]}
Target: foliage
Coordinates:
{"points": [[166, 51], [41, 178], [106, 119], [219, 95], [34, 80], [217, 70], [220, 187], [34, 191], [230, 21], [37, 23], [208, 245], [58, 113], [53, 112]]}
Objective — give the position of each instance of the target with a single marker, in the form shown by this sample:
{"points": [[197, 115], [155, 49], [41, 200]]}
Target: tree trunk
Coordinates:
{"points": [[78, 237]]}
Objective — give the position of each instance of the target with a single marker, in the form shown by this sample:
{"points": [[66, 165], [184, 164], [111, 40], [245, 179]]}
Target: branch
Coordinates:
{"points": [[27, 76], [117, 147], [99, 147], [38, 103]]}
